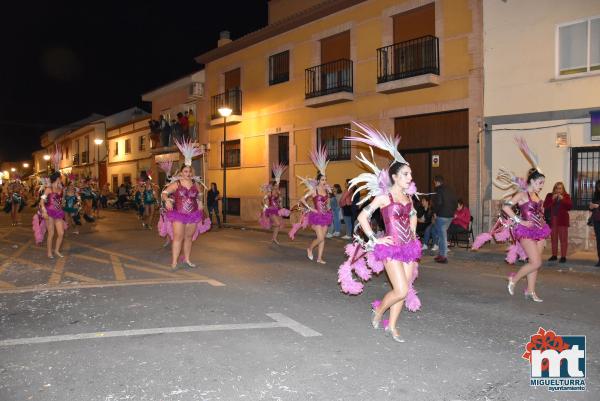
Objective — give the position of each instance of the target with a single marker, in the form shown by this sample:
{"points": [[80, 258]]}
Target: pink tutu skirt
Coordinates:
{"points": [[185, 218], [55, 214], [165, 224], [271, 211], [320, 219], [408, 252], [534, 233]]}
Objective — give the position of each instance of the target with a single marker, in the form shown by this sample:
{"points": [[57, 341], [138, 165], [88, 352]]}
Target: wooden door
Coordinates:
{"points": [[414, 23], [454, 167], [419, 164], [232, 79], [102, 174]]}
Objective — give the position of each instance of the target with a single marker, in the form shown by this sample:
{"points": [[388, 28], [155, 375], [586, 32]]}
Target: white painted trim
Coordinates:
{"points": [[281, 321]]}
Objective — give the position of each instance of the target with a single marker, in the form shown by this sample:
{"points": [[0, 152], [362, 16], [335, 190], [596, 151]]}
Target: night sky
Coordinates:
{"points": [[63, 61]]}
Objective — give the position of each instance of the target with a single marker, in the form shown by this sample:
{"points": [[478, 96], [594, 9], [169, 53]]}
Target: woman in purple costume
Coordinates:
{"points": [[399, 249], [272, 212], [184, 211], [53, 214], [530, 230], [319, 217]]}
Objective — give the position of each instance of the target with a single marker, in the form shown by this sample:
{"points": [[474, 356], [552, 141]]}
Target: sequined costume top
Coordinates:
{"points": [[321, 203], [185, 199], [532, 211], [273, 202], [396, 217]]}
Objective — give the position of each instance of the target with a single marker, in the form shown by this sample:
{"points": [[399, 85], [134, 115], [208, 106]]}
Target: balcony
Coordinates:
{"points": [[408, 65], [329, 83], [85, 157], [232, 99], [76, 159]]}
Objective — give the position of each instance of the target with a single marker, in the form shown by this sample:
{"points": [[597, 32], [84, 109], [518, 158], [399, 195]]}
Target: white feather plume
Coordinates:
{"points": [[378, 139]]}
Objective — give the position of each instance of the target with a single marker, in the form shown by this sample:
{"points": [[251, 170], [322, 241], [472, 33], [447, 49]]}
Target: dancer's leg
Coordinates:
{"points": [[178, 234], [276, 224], [532, 277], [60, 232], [396, 308], [533, 251], [397, 276], [50, 228], [190, 229], [321, 234]]}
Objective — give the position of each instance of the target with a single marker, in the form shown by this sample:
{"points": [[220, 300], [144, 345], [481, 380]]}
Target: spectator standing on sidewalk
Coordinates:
{"points": [[557, 205], [444, 206], [212, 203], [346, 205], [595, 208], [334, 203]]}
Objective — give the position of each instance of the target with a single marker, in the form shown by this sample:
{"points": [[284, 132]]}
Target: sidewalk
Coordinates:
{"points": [[491, 253]]}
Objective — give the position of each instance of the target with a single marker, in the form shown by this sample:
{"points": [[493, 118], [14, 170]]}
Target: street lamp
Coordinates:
{"points": [[225, 112], [13, 169], [47, 158], [98, 142], [25, 165]]}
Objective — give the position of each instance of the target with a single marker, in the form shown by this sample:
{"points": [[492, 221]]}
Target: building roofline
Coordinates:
{"points": [[287, 24], [197, 76]]}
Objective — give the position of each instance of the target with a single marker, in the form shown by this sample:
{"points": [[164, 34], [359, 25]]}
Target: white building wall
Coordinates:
{"points": [[520, 53]]}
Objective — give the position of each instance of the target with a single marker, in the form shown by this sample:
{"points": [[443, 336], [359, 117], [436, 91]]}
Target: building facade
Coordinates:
{"points": [[129, 154], [411, 67], [185, 94], [546, 96]]}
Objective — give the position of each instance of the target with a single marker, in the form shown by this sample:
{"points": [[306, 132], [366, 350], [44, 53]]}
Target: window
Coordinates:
{"points": [[232, 153], [333, 138], [116, 153], [279, 68], [585, 171], [232, 206], [283, 144], [142, 143], [127, 146], [579, 47], [66, 154], [127, 180]]}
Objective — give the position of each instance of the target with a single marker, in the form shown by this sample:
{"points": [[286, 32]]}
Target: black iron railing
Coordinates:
{"points": [[231, 98], [328, 78], [408, 59], [85, 157], [75, 158]]}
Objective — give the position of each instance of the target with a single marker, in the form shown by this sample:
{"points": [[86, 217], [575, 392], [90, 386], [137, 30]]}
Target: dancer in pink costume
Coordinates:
{"points": [[184, 219], [272, 212], [527, 229], [319, 217], [398, 250], [50, 216]]}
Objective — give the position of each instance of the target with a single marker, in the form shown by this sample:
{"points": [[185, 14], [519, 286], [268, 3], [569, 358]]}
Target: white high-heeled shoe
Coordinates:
{"points": [[58, 254], [395, 337], [532, 296], [374, 322], [511, 287]]}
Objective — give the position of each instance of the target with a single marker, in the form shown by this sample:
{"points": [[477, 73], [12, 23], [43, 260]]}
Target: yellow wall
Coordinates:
{"points": [[131, 163], [268, 108]]}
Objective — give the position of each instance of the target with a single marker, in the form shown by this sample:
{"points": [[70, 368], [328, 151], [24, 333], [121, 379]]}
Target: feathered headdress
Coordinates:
{"points": [[529, 154], [166, 166], [376, 183], [56, 157], [278, 169], [319, 158], [373, 137], [189, 149]]}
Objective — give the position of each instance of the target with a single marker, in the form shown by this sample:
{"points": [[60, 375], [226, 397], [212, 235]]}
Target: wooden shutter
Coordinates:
{"points": [[232, 79], [414, 23], [335, 47]]}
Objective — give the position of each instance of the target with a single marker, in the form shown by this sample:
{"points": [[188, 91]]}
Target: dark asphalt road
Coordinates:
{"points": [[465, 344]]}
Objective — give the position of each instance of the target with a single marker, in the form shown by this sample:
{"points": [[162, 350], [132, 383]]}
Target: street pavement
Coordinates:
{"points": [[257, 321]]}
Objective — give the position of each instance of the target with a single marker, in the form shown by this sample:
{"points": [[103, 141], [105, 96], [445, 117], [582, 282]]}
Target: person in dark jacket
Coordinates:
{"points": [[595, 208], [444, 206], [212, 203], [558, 203]]}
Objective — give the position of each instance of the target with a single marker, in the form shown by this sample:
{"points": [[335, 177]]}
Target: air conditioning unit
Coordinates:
{"points": [[196, 90]]}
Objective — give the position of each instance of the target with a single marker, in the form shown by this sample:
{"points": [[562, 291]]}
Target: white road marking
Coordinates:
{"points": [[281, 321]]}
